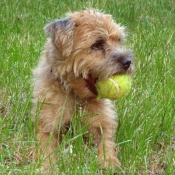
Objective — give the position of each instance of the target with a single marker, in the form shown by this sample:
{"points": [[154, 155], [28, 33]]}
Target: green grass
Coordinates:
{"points": [[146, 134]]}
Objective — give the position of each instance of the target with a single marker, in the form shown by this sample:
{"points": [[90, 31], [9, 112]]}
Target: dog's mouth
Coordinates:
{"points": [[91, 84]]}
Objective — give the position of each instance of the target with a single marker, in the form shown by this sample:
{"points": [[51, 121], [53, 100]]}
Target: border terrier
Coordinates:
{"points": [[81, 49]]}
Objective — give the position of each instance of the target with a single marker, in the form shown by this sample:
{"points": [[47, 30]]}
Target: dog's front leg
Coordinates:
{"points": [[48, 133], [104, 126], [103, 132], [107, 149]]}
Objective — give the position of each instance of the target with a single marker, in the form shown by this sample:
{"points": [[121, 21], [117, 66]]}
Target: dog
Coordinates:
{"points": [[81, 49]]}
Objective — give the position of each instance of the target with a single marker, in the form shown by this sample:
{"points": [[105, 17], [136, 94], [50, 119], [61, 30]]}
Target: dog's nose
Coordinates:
{"points": [[125, 62]]}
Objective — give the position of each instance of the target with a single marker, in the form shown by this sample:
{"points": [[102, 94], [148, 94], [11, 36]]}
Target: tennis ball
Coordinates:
{"points": [[113, 87]]}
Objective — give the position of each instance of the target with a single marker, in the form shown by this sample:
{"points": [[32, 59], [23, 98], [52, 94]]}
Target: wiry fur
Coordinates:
{"points": [[68, 60]]}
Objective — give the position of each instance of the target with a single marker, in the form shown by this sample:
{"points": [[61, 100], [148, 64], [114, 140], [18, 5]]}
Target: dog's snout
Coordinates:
{"points": [[125, 62]]}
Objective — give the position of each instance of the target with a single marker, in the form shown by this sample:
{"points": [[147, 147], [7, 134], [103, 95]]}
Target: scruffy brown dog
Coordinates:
{"points": [[82, 48]]}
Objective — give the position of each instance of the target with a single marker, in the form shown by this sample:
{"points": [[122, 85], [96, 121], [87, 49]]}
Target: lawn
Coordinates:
{"points": [[146, 133]]}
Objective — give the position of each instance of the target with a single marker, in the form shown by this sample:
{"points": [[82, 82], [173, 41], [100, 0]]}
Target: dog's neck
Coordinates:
{"points": [[80, 103]]}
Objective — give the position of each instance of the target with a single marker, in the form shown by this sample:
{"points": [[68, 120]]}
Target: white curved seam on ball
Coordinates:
{"points": [[116, 86]]}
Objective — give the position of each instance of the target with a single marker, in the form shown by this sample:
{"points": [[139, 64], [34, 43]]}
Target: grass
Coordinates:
{"points": [[145, 138]]}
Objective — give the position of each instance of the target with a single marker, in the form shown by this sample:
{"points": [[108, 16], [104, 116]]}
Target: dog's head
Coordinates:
{"points": [[90, 47]]}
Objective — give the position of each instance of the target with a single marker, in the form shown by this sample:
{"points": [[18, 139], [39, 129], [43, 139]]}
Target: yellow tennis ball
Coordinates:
{"points": [[113, 87]]}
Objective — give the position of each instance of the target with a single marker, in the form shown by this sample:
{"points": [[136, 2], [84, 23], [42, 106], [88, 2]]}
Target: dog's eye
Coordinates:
{"points": [[98, 45]]}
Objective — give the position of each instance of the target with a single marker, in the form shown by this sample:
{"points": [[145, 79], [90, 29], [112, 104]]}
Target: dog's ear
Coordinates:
{"points": [[62, 33]]}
